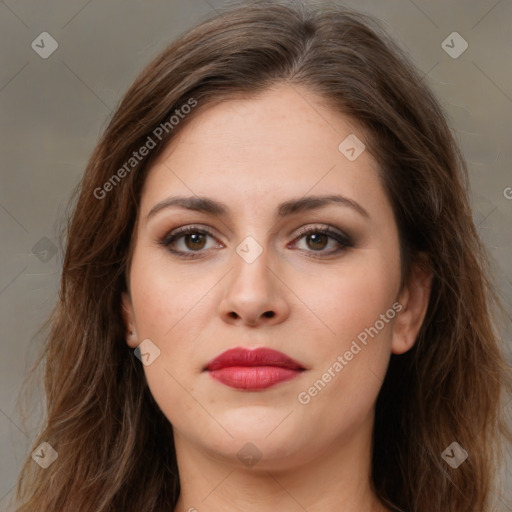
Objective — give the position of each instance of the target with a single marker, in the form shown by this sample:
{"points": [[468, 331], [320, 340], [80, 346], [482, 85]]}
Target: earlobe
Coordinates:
{"points": [[129, 321], [414, 300]]}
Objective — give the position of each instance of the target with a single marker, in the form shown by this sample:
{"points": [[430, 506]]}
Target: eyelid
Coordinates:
{"points": [[323, 228]]}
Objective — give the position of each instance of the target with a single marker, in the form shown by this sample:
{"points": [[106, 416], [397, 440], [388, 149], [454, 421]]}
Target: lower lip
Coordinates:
{"points": [[253, 377]]}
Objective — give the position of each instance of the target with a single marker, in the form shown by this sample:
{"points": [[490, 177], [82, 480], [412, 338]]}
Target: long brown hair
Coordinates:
{"points": [[115, 447]]}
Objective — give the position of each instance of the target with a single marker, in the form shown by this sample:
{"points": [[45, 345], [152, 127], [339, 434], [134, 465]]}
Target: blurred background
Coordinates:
{"points": [[64, 67]]}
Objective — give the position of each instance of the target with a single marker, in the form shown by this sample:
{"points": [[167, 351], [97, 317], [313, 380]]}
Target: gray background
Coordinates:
{"points": [[54, 109]]}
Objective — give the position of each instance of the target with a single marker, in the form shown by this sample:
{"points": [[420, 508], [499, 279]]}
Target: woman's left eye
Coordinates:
{"points": [[316, 239], [319, 239], [193, 241]]}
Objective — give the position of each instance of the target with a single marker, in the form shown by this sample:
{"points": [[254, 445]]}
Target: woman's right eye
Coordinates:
{"points": [[191, 239]]}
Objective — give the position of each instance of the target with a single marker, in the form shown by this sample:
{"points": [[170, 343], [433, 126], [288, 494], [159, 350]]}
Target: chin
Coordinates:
{"points": [[265, 453], [255, 422]]}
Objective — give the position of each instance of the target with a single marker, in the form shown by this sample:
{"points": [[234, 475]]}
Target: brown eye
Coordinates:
{"points": [[195, 241], [188, 242], [317, 241]]}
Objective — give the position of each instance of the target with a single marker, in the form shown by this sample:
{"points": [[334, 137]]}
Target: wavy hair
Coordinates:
{"points": [[100, 415]]}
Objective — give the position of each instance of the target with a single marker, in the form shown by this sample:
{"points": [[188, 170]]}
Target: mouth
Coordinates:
{"points": [[253, 369]]}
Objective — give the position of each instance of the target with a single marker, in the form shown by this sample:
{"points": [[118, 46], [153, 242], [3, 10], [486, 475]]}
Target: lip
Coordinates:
{"points": [[253, 369]]}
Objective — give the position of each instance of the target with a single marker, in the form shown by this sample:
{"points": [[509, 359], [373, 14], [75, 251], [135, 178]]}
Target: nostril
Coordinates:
{"points": [[269, 314]]}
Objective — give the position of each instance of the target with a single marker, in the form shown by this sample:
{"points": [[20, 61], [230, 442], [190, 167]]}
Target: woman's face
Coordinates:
{"points": [[256, 271]]}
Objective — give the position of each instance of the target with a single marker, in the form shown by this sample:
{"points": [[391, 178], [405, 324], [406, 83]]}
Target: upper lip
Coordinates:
{"points": [[253, 357]]}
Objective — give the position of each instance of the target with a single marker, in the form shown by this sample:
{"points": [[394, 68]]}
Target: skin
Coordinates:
{"points": [[251, 155]]}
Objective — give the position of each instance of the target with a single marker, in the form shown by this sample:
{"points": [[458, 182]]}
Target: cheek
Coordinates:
{"points": [[163, 298], [350, 363], [175, 393], [350, 359], [165, 307], [353, 299]]}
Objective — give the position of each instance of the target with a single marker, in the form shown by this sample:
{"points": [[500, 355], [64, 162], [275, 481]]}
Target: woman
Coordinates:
{"points": [[273, 293]]}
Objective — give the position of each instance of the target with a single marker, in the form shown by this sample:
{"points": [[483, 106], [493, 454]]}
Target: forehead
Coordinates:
{"points": [[284, 142]]}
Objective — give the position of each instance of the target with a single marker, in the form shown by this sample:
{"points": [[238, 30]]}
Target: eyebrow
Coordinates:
{"points": [[287, 208]]}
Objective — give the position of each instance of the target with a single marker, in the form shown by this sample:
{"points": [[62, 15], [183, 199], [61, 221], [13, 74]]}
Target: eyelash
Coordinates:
{"points": [[343, 240]]}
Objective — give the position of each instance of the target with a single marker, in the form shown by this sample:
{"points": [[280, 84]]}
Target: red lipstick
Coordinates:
{"points": [[253, 369]]}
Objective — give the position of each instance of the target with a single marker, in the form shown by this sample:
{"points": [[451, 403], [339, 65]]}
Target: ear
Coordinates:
{"points": [[132, 338], [414, 300]]}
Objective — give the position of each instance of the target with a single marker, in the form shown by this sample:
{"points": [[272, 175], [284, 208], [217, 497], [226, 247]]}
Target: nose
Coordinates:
{"points": [[255, 293]]}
